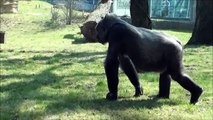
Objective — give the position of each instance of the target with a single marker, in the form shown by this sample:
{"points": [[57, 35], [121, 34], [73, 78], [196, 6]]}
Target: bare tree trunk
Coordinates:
{"points": [[88, 28], [139, 10], [203, 28]]}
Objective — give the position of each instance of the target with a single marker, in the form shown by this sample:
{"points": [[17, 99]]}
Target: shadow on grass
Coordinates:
{"points": [[76, 102], [64, 58], [98, 104], [29, 82], [27, 87], [77, 40]]}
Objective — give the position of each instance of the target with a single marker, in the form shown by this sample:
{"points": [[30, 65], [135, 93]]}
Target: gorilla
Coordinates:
{"points": [[137, 49]]}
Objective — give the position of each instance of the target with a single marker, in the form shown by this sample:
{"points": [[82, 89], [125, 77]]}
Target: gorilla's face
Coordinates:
{"points": [[101, 29]]}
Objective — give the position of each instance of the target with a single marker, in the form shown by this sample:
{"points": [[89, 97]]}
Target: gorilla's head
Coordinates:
{"points": [[104, 25]]}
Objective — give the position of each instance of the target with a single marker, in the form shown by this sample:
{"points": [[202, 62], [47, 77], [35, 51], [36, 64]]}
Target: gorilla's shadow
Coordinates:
{"points": [[75, 38], [109, 106]]}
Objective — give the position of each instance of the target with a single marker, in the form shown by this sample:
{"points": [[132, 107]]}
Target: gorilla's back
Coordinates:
{"points": [[147, 48]]}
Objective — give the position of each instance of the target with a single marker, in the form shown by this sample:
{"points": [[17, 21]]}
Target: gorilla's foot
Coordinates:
{"points": [[111, 96], [195, 95], [138, 92]]}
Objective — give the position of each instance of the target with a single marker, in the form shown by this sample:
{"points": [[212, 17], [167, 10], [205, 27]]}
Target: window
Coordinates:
{"points": [[121, 7], [123, 4], [171, 9]]}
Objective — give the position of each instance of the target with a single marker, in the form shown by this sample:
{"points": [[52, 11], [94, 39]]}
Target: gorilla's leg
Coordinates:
{"points": [[164, 85], [176, 72], [129, 69], [111, 70], [187, 83]]}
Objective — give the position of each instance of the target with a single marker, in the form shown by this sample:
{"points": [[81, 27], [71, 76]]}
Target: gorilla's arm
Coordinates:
{"points": [[129, 69], [111, 70]]}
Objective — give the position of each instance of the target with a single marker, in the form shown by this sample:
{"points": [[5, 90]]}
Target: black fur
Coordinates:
{"points": [[138, 49]]}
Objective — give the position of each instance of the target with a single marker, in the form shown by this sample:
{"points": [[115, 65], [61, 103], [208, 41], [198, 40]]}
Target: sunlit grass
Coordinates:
{"points": [[50, 74]]}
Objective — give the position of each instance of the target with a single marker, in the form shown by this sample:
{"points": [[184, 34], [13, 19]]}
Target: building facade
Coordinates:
{"points": [[164, 13], [161, 9]]}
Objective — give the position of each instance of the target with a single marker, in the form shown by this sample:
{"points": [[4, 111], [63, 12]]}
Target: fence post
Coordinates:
{"points": [[2, 37]]}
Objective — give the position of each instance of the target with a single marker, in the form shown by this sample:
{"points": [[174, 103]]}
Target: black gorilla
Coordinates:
{"points": [[138, 49]]}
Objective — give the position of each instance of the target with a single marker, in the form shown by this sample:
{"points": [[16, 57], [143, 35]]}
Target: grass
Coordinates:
{"points": [[49, 73]]}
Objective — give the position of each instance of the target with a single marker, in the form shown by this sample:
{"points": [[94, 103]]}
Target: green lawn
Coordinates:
{"points": [[50, 74]]}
